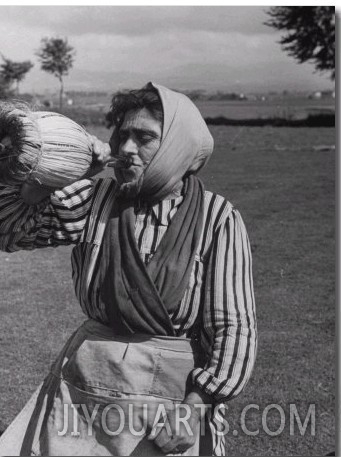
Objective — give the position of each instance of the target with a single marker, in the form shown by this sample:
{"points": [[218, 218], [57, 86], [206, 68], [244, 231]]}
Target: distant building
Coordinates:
{"points": [[322, 94]]}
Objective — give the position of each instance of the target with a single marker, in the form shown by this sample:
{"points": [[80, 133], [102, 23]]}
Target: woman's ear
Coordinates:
{"points": [[32, 194]]}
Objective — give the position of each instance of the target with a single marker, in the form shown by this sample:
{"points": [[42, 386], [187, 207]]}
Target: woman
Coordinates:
{"points": [[162, 269]]}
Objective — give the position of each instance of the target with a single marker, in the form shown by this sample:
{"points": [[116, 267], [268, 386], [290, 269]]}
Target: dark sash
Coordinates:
{"points": [[139, 298]]}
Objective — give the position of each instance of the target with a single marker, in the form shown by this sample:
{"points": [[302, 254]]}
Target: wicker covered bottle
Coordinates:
{"points": [[45, 148]]}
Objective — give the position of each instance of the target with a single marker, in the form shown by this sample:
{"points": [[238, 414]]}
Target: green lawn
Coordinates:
{"points": [[284, 189]]}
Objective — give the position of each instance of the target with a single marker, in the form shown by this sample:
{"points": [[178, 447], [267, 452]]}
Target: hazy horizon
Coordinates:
{"points": [[186, 47]]}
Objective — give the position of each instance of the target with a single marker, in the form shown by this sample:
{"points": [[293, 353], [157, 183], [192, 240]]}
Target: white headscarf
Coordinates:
{"points": [[186, 145]]}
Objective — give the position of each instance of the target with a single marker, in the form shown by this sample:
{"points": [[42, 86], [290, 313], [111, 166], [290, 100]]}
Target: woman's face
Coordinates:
{"points": [[139, 138]]}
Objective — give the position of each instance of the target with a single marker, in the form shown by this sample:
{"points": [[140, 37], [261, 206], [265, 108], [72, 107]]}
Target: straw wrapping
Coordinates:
{"points": [[42, 147]]}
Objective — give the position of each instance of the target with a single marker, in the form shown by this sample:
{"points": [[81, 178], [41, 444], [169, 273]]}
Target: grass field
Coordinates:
{"points": [[283, 186], [284, 107]]}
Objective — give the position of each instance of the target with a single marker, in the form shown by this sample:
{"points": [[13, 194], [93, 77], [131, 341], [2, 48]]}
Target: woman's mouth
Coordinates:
{"points": [[123, 162]]}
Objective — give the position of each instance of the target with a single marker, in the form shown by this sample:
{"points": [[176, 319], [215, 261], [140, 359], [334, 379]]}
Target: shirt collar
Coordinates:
{"points": [[162, 211]]}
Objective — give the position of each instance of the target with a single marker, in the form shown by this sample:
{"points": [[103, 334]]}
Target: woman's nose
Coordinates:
{"points": [[129, 146]]}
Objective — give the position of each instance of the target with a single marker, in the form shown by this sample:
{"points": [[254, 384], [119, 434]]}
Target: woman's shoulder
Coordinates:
{"points": [[219, 215], [217, 208]]}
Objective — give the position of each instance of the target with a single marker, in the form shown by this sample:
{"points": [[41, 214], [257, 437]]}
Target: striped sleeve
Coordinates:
{"points": [[228, 313], [57, 220]]}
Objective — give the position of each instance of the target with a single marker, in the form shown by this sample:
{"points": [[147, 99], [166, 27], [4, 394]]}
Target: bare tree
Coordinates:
{"points": [[14, 72], [311, 33], [56, 57]]}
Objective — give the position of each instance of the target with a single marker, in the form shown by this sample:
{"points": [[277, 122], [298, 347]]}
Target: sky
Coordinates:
{"points": [[185, 47]]}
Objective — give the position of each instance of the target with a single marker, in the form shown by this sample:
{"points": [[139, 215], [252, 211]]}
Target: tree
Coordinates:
{"points": [[311, 33], [11, 71], [4, 88], [56, 57]]}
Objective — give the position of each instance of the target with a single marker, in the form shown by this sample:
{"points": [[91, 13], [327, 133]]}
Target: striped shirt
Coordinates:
{"points": [[219, 301]]}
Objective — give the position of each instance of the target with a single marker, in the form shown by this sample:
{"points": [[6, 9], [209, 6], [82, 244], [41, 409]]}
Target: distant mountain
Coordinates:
{"points": [[238, 79], [86, 80], [192, 76]]}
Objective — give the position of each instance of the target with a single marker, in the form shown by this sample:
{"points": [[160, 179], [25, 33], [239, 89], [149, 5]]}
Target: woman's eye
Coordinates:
{"points": [[144, 139]]}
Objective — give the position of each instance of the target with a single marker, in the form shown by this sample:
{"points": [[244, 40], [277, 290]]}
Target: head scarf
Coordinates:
{"points": [[186, 145]]}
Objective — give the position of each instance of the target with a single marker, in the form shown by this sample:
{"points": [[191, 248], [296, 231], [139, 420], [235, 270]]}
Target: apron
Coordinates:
{"points": [[104, 394]]}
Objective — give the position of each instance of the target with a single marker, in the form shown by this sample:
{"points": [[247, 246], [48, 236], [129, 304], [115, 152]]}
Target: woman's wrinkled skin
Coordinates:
{"points": [[139, 139]]}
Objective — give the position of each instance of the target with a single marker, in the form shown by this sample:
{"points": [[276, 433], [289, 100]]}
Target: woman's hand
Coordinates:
{"points": [[176, 437], [180, 430], [101, 155]]}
